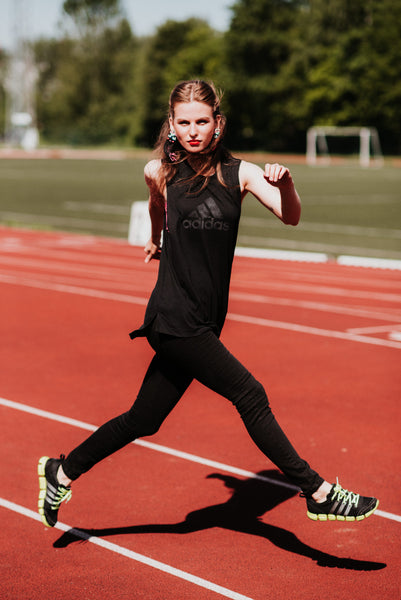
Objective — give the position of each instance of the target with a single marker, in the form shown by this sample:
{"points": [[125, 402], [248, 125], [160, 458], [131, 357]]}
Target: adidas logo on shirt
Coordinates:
{"points": [[206, 216]]}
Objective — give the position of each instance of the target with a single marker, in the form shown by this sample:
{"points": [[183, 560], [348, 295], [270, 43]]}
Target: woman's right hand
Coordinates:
{"points": [[152, 251]]}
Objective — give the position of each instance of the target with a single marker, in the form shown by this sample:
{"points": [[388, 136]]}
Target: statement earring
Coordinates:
{"points": [[169, 147], [216, 133]]}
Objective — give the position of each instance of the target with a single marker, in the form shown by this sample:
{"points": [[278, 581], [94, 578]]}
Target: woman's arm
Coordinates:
{"points": [[156, 209], [274, 188]]}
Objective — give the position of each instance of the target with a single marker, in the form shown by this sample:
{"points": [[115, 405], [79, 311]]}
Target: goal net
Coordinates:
{"points": [[320, 145]]}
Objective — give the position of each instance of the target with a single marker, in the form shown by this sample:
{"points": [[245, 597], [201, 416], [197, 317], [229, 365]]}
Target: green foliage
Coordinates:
{"points": [[284, 65], [3, 63], [259, 44], [302, 63], [92, 14], [178, 51], [351, 64], [84, 97]]}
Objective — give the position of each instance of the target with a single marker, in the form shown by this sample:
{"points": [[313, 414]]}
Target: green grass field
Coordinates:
{"points": [[346, 209]]}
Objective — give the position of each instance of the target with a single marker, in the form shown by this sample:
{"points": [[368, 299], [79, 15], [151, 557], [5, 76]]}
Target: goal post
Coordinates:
{"points": [[318, 151]]}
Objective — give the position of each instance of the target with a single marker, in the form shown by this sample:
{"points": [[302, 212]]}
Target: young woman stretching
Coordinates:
{"points": [[196, 190]]}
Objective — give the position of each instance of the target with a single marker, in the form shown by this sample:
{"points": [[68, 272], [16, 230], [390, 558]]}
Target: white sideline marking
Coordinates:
{"points": [[124, 272], [389, 328], [342, 335], [71, 289], [106, 283], [166, 450], [293, 255], [150, 562], [339, 309], [150, 445], [375, 263]]}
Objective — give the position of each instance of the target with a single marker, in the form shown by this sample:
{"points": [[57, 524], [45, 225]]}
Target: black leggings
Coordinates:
{"points": [[176, 363]]}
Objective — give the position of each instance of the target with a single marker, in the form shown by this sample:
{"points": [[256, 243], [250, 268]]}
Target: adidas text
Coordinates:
{"points": [[208, 223]]}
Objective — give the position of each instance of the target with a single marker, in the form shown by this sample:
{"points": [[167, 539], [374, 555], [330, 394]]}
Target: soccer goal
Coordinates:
{"points": [[319, 151]]}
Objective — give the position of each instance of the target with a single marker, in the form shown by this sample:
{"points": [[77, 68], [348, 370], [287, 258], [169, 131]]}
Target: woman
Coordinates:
{"points": [[196, 190]]}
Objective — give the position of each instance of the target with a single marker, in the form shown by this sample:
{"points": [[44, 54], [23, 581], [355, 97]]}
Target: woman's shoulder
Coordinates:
{"points": [[152, 169], [249, 174], [249, 170]]}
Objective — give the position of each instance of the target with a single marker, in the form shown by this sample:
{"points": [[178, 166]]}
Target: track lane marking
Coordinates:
{"points": [[377, 329], [230, 316], [117, 549], [126, 267], [70, 289], [166, 450], [109, 283], [330, 333], [323, 290], [121, 254], [340, 309]]}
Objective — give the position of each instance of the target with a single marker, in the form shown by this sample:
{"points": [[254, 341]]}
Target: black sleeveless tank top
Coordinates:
{"points": [[199, 237]]}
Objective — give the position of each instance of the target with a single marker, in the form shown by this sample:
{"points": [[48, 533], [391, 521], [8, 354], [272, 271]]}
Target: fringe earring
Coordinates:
{"points": [[170, 146]]}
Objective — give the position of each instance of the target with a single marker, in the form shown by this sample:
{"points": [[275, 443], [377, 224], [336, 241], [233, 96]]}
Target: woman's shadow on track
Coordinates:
{"points": [[251, 499]]}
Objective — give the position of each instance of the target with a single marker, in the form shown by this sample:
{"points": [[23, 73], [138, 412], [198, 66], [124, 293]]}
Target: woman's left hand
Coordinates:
{"points": [[277, 175]]}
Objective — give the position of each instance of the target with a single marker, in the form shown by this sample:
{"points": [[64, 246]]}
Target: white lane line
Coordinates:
{"points": [[324, 290], [374, 263], [145, 444], [77, 267], [341, 335], [77, 256], [150, 562], [70, 289], [231, 316], [109, 282], [340, 309], [166, 450], [106, 283], [119, 253], [127, 269], [377, 329]]}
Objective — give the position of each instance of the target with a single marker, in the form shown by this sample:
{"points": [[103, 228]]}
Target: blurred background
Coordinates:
{"points": [[96, 74]]}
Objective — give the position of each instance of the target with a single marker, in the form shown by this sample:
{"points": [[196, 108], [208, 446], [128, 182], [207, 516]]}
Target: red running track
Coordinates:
{"points": [[180, 515]]}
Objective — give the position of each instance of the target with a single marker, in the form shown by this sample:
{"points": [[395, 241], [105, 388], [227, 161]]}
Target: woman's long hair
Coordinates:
{"points": [[172, 153]]}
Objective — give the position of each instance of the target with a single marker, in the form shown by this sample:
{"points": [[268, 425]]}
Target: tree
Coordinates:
{"points": [[293, 64], [3, 65], [92, 15], [179, 50], [259, 43], [85, 82], [353, 73]]}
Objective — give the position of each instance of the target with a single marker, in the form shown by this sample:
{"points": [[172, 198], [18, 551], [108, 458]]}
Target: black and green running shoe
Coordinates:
{"points": [[341, 505], [51, 492]]}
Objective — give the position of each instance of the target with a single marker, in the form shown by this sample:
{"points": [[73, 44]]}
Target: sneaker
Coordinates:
{"points": [[341, 505], [52, 493]]}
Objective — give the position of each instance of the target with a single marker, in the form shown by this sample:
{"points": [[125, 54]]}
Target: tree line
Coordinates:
{"points": [[284, 65]]}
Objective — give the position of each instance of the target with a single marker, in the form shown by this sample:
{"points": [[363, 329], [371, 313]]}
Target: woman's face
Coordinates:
{"points": [[194, 125]]}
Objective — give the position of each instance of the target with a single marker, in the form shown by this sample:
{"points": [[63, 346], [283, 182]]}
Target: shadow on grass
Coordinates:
{"points": [[251, 499]]}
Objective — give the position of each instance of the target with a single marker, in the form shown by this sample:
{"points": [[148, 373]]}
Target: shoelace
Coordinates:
{"points": [[344, 495], [63, 494]]}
